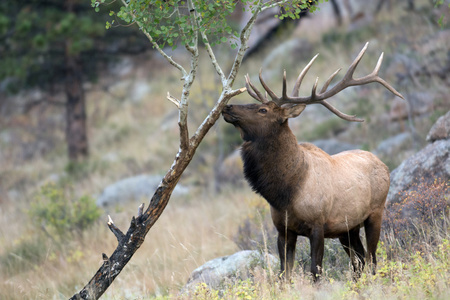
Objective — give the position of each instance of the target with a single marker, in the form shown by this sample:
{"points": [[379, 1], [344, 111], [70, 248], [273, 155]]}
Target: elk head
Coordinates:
{"points": [[259, 119]]}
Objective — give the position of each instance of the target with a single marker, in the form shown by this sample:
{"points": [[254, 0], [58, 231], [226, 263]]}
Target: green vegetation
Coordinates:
{"points": [[56, 46], [170, 23], [61, 215], [55, 219], [415, 275]]}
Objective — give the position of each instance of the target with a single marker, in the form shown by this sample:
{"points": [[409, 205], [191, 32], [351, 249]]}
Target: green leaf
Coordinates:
{"points": [[441, 21]]}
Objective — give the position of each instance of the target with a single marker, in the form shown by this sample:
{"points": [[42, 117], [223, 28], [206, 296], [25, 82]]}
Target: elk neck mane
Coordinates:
{"points": [[274, 167]]}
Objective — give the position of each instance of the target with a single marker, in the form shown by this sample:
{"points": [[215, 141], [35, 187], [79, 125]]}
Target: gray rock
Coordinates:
{"points": [[430, 163], [132, 189], [394, 145], [427, 165], [440, 129], [216, 272], [140, 90]]}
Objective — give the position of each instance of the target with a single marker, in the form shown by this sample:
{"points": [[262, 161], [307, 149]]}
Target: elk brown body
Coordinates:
{"points": [[311, 193]]}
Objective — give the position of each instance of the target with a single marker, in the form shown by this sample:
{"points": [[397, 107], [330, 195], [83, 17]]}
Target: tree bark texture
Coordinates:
{"points": [[76, 129]]}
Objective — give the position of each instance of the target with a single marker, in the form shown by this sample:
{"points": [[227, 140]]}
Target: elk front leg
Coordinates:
{"points": [[317, 245], [286, 249]]}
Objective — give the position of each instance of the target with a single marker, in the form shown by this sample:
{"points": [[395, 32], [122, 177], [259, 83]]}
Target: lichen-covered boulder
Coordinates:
{"points": [[428, 165], [239, 265], [440, 129]]}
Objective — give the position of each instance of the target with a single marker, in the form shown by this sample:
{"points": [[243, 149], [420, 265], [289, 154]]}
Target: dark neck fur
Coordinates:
{"points": [[273, 167]]}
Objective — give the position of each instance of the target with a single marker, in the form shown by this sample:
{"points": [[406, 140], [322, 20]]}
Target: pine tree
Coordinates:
{"points": [[56, 45]]}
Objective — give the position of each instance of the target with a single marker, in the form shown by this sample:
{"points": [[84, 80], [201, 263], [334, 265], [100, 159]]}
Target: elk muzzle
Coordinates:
{"points": [[229, 114]]}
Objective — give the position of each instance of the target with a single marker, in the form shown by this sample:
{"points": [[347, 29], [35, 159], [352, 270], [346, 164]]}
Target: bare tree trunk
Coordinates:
{"points": [[76, 129], [337, 12]]}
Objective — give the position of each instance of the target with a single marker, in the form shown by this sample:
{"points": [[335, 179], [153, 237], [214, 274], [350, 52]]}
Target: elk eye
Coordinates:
{"points": [[263, 110]]}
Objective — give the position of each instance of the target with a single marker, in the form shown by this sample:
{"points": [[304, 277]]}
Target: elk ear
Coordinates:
{"points": [[292, 111]]}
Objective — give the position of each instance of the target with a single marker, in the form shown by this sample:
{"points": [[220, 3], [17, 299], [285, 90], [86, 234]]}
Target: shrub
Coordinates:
{"points": [[420, 215], [415, 275], [60, 214]]}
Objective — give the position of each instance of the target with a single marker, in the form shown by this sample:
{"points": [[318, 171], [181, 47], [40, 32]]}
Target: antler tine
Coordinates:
{"points": [[372, 77], [381, 80], [253, 91], [284, 94], [349, 75], [302, 74], [313, 92], [268, 90], [379, 62], [327, 83], [389, 87], [351, 118]]}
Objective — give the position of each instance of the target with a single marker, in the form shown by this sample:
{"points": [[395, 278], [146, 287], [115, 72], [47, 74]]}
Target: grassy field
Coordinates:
{"points": [[130, 137]]}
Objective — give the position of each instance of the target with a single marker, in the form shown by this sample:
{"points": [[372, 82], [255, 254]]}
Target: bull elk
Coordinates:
{"points": [[311, 193]]}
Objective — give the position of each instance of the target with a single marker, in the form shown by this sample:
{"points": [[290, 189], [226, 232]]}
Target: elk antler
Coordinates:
{"points": [[320, 97]]}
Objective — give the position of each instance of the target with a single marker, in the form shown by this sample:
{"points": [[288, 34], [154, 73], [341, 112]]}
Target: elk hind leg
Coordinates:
{"points": [[372, 226], [351, 242]]}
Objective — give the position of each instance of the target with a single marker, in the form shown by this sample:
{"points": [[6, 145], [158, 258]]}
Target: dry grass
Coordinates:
{"points": [[187, 235]]}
